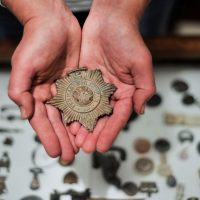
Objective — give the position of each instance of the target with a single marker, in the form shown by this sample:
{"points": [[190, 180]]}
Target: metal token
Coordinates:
{"points": [[70, 178], [83, 96], [144, 166], [155, 100], [142, 145], [130, 188], [171, 181], [162, 145], [188, 100], [180, 85]]}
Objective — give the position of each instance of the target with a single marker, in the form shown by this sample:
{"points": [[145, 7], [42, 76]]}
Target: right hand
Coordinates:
{"points": [[50, 47]]}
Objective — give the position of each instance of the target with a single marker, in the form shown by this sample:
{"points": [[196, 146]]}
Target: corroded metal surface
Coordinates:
{"points": [[83, 96]]}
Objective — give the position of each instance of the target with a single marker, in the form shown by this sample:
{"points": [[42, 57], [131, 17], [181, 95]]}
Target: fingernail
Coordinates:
{"points": [[143, 109], [23, 113]]}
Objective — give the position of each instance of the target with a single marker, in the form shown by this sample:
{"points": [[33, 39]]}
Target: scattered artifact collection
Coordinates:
{"points": [[87, 97]]}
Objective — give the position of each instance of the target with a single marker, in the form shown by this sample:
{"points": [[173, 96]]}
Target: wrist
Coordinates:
{"points": [[132, 9], [25, 10]]}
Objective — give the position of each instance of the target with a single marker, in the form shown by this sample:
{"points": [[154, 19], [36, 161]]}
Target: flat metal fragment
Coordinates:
{"points": [[83, 96]]}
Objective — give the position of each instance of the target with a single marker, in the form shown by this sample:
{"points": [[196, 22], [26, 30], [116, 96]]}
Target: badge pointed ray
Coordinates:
{"points": [[83, 96]]}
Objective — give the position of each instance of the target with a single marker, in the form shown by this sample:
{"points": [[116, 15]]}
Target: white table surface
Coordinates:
{"points": [[150, 125]]}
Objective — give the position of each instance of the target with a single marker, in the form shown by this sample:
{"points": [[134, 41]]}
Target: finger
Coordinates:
{"points": [[44, 130], [67, 153], [74, 127], [72, 140], [90, 141], [81, 135], [19, 85], [144, 83], [121, 113]]}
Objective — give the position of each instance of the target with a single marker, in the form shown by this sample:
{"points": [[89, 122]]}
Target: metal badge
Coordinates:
{"points": [[149, 188], [144, 166], [83, 96]]}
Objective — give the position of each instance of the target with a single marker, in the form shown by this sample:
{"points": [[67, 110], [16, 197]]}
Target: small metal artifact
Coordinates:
{"points": [[35, 184], [172, 119], [130, 188], [31, 197], [142, 145], [5, 161], [198, 147], [8, 141], [180, 191], [171, 181], [149, 188], [185, 135], [144, 166], [3, 188], [83, 96], [155, 101], [193, 198], [188, 100], [162, 145], [70, 178], [180, 86]]}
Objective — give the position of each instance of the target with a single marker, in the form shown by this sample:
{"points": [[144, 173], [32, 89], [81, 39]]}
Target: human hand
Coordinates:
{"points": [[49, 48], [111, 42]]}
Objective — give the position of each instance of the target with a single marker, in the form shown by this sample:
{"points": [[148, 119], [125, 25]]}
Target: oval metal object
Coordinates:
{"points": [[130, 188], [162, 145], [185, 135], [142, 145]]}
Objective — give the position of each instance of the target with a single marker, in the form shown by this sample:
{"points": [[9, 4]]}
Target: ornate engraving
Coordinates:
{"points": [[83, 96]]}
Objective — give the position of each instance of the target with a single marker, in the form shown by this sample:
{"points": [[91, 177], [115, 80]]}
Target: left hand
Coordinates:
{"points": [[112, 43]]}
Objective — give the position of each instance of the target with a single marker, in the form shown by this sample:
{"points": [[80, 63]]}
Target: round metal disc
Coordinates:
{"points": [[162, 145], [188, 100], [156, 100], [144, 166], [130, 188], [180, 86], [142, 145]]}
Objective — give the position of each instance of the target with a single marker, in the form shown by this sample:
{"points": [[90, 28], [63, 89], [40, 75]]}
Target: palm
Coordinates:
{"points": [[44, 55], [115, 51]]}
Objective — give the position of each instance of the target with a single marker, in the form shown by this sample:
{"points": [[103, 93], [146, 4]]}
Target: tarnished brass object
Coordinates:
{"points": [[83, 96]]}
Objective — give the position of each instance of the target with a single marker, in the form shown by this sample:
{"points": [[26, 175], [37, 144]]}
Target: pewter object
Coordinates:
{"points": [[171, 181], [180, 86], [35, 184], [142, 145], [130, 188], [188, 100], [83, 96], [162, 145], [185, 135], [155, 101], [180, 191], [5, 161], [174, 119], [193, 198], [149, 188], [70, 178], [144, 166], [3, 188], [31, 197], [8, 141]]}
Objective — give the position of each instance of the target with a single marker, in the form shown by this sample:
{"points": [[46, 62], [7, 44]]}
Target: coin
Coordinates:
{"points": [[130, 188], [162, 145], [171, 181], [188, 100], [180, 86], [144, 166], [83, 96], [142, 145]]}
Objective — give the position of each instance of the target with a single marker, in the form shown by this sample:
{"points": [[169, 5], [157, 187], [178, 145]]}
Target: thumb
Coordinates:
{"points": [[19, 87]]}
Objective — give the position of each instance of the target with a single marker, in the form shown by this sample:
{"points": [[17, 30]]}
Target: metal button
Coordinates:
{"points": [[144, 166], [142, 145], [130, 188]]}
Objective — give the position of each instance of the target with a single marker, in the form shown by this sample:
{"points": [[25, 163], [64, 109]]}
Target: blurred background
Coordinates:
{"points": [[171, 30]]}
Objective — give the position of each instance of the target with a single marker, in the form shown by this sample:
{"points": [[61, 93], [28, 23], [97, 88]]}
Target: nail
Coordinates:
{"points": [[23, 113], [143, 109]]}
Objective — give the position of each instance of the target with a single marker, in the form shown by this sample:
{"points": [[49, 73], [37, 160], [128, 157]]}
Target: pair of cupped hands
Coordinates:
{"points": [[52, 45]]}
